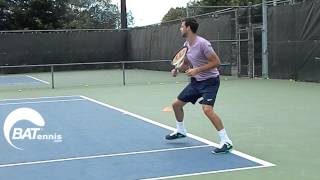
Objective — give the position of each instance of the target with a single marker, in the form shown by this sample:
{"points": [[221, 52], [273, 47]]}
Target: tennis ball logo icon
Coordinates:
{"points": [[32, 116]]}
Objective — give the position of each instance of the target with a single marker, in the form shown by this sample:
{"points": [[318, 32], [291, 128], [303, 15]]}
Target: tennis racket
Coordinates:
{"points": [[179, 61]]}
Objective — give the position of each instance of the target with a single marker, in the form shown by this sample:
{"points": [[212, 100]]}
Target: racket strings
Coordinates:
{"points": [[178, 60]]}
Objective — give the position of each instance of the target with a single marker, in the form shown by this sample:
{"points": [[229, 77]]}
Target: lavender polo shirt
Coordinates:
{"points": [[198, 56]]}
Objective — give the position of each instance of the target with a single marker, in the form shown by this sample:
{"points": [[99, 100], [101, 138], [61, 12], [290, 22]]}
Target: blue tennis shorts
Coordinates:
{"points": [[207, 89]]}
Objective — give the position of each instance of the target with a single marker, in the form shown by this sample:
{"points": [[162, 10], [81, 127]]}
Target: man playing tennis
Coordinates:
{"points": [[204, 84]]}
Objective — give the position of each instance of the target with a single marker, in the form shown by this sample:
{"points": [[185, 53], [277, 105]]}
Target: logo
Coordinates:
{"points": [[30, 133]]}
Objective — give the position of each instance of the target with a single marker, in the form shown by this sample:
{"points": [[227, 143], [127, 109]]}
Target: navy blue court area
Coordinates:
{"points": [[20, 80], [76, 137]]}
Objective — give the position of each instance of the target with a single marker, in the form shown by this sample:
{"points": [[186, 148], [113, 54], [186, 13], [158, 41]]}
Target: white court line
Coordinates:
{"points": [[100, 156], [38, 102], [238, 153], [203, 173], [9, 76], [37, 79], [48, 97], [19, 83]]}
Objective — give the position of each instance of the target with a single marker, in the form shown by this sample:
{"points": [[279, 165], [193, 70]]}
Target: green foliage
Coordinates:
{"points": [[93, 14], [175, 13], [33, 14], [178, 13], [58, 14]]}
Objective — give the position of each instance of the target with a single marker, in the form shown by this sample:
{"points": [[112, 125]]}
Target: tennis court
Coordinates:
{"points": [[105, 141], [19, 80], [107, 127], [97, 103]]}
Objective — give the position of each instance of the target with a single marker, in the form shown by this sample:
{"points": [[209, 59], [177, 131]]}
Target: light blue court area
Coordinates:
{"points": [[76, 137], [13, 80]]}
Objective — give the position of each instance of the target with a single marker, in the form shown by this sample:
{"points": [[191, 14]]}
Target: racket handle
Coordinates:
{"points": [[174, 72]]}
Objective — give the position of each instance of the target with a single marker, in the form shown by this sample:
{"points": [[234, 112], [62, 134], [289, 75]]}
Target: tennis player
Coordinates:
{"points": [[204, 84]]}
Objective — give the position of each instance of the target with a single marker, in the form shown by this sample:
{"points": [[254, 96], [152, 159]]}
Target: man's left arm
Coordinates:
{"points": [[213, 62]]}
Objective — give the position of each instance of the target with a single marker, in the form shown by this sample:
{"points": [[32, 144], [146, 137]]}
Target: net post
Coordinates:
{"points": [[187, 10], [123, 74], [52, 76], [218, 43]]}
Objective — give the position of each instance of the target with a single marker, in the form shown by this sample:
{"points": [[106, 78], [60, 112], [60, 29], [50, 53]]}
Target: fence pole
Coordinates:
{"points": [[250, 43], [264, 40], [237, 32]]}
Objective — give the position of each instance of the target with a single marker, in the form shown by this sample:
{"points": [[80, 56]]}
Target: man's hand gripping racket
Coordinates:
{"points": [[180, 61]]}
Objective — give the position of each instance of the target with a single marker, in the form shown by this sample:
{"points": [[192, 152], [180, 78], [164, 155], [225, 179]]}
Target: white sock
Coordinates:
{"points": [[224, 137], [180, 128]]}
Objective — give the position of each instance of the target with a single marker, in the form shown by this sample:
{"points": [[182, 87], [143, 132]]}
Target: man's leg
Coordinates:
{"points": [[177, 106], [188, 94], [225, 142], [213, 117], [180, 132]]}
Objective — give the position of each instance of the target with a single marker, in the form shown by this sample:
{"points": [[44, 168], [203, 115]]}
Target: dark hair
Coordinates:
{"points": [[192, 23]]}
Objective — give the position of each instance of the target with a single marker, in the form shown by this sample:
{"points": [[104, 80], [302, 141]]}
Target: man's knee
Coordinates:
{"points": [[207, 109], [177, 104]]}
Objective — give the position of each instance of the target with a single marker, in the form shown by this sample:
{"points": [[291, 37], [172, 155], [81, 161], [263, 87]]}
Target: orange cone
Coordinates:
{"points": [[167, 109]]}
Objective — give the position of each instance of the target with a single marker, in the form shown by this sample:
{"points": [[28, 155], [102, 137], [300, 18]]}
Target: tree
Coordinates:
{"points": [[196, 11], [175, 13], [34, 14], [58, 14], [93, 14], [225, 2], [5, 16], [130, 19], [90, 14], [178, 13]]}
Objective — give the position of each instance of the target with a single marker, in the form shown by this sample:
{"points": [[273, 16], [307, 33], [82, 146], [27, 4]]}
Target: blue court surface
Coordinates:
{"points": [[75, 137], [20, 80]]}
